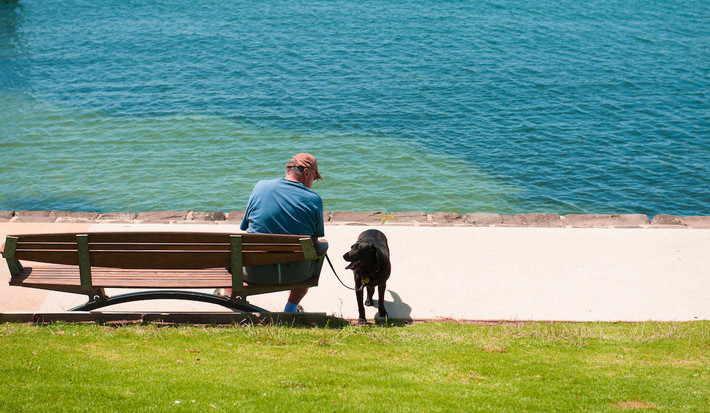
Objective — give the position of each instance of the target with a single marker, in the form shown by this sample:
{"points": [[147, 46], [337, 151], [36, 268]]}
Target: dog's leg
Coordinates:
{"points": [[381, 300], [370, 293], [360, 308]]}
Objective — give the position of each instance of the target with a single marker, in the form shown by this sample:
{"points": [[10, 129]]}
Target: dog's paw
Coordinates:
{"points": [[368, 303], [362, 322]]}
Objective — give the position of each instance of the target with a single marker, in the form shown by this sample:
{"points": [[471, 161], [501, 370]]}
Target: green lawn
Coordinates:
{"points": [[419, 367]]}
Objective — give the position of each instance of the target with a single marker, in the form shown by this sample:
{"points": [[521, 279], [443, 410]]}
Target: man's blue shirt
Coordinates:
{"points": [[280, 206]]}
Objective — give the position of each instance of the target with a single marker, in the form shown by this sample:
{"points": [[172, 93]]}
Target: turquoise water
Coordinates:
{"points": [[495, 106]]}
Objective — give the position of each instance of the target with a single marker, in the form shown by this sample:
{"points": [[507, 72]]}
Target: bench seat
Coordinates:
{"points": [[65, 275], [57, 277]]}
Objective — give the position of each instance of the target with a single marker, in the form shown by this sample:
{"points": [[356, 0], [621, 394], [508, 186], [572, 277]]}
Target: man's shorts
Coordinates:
{"points": [[291, 273]]}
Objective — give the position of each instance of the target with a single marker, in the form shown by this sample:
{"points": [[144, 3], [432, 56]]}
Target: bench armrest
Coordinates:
{"points": [[308, 250], [8, 247]]}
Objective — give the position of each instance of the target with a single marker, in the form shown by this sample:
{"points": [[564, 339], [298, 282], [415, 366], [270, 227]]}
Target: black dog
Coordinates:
{"points": [[369, 259]]}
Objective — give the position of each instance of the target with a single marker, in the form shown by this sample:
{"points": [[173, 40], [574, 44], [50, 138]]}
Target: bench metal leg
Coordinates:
{"points": [[97, 294], [240, 305]]}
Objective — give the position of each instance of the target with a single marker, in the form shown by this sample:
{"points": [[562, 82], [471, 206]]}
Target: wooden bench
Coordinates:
{"points": [[90, 263]]}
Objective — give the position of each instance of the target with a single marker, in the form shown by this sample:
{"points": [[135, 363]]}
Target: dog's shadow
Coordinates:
{"points": [[396, 309]]}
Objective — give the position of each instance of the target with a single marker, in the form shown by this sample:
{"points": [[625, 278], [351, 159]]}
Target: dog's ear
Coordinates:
{"points": [[379, 257]]}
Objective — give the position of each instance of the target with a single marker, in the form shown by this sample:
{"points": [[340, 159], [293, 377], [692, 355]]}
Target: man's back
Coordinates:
{"points": [[282, 206]]}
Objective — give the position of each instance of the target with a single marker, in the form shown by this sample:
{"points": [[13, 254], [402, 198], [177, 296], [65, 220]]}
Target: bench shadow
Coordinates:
{"points": [[397, 310]]}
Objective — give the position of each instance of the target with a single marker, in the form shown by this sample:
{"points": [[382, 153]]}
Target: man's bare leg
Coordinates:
{"points": [[294, 298]]}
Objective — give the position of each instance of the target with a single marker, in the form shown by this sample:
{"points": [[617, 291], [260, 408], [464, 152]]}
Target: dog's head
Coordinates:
{"points": [[363, 254]]}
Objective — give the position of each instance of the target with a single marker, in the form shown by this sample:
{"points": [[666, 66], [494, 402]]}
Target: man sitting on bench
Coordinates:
{"points": [[287, 206]]}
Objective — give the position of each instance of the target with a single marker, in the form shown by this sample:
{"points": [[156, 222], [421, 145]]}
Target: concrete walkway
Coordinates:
{"points": [[470, 273]]}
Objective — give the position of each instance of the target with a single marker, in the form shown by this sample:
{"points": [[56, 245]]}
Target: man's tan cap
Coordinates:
{"points": [[305, 160]]}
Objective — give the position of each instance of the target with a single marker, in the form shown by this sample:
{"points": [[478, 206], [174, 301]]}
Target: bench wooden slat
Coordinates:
{"points": [[159, 259], [162, 237], [96, 246], [115, 278], [196, 237], [59, 238]]}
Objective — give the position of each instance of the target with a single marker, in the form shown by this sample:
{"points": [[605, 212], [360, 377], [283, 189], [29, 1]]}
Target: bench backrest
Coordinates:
{"points": [[160, 250]]}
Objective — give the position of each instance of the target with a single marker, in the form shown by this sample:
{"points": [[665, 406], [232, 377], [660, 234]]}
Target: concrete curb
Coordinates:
{"points": [[375, 218]]}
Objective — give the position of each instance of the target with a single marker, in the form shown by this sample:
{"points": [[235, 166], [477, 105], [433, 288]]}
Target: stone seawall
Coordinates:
{"points": [[374, 218]]}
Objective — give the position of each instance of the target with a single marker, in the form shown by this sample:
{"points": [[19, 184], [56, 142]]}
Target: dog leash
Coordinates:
{"points": [[341, 281]]}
